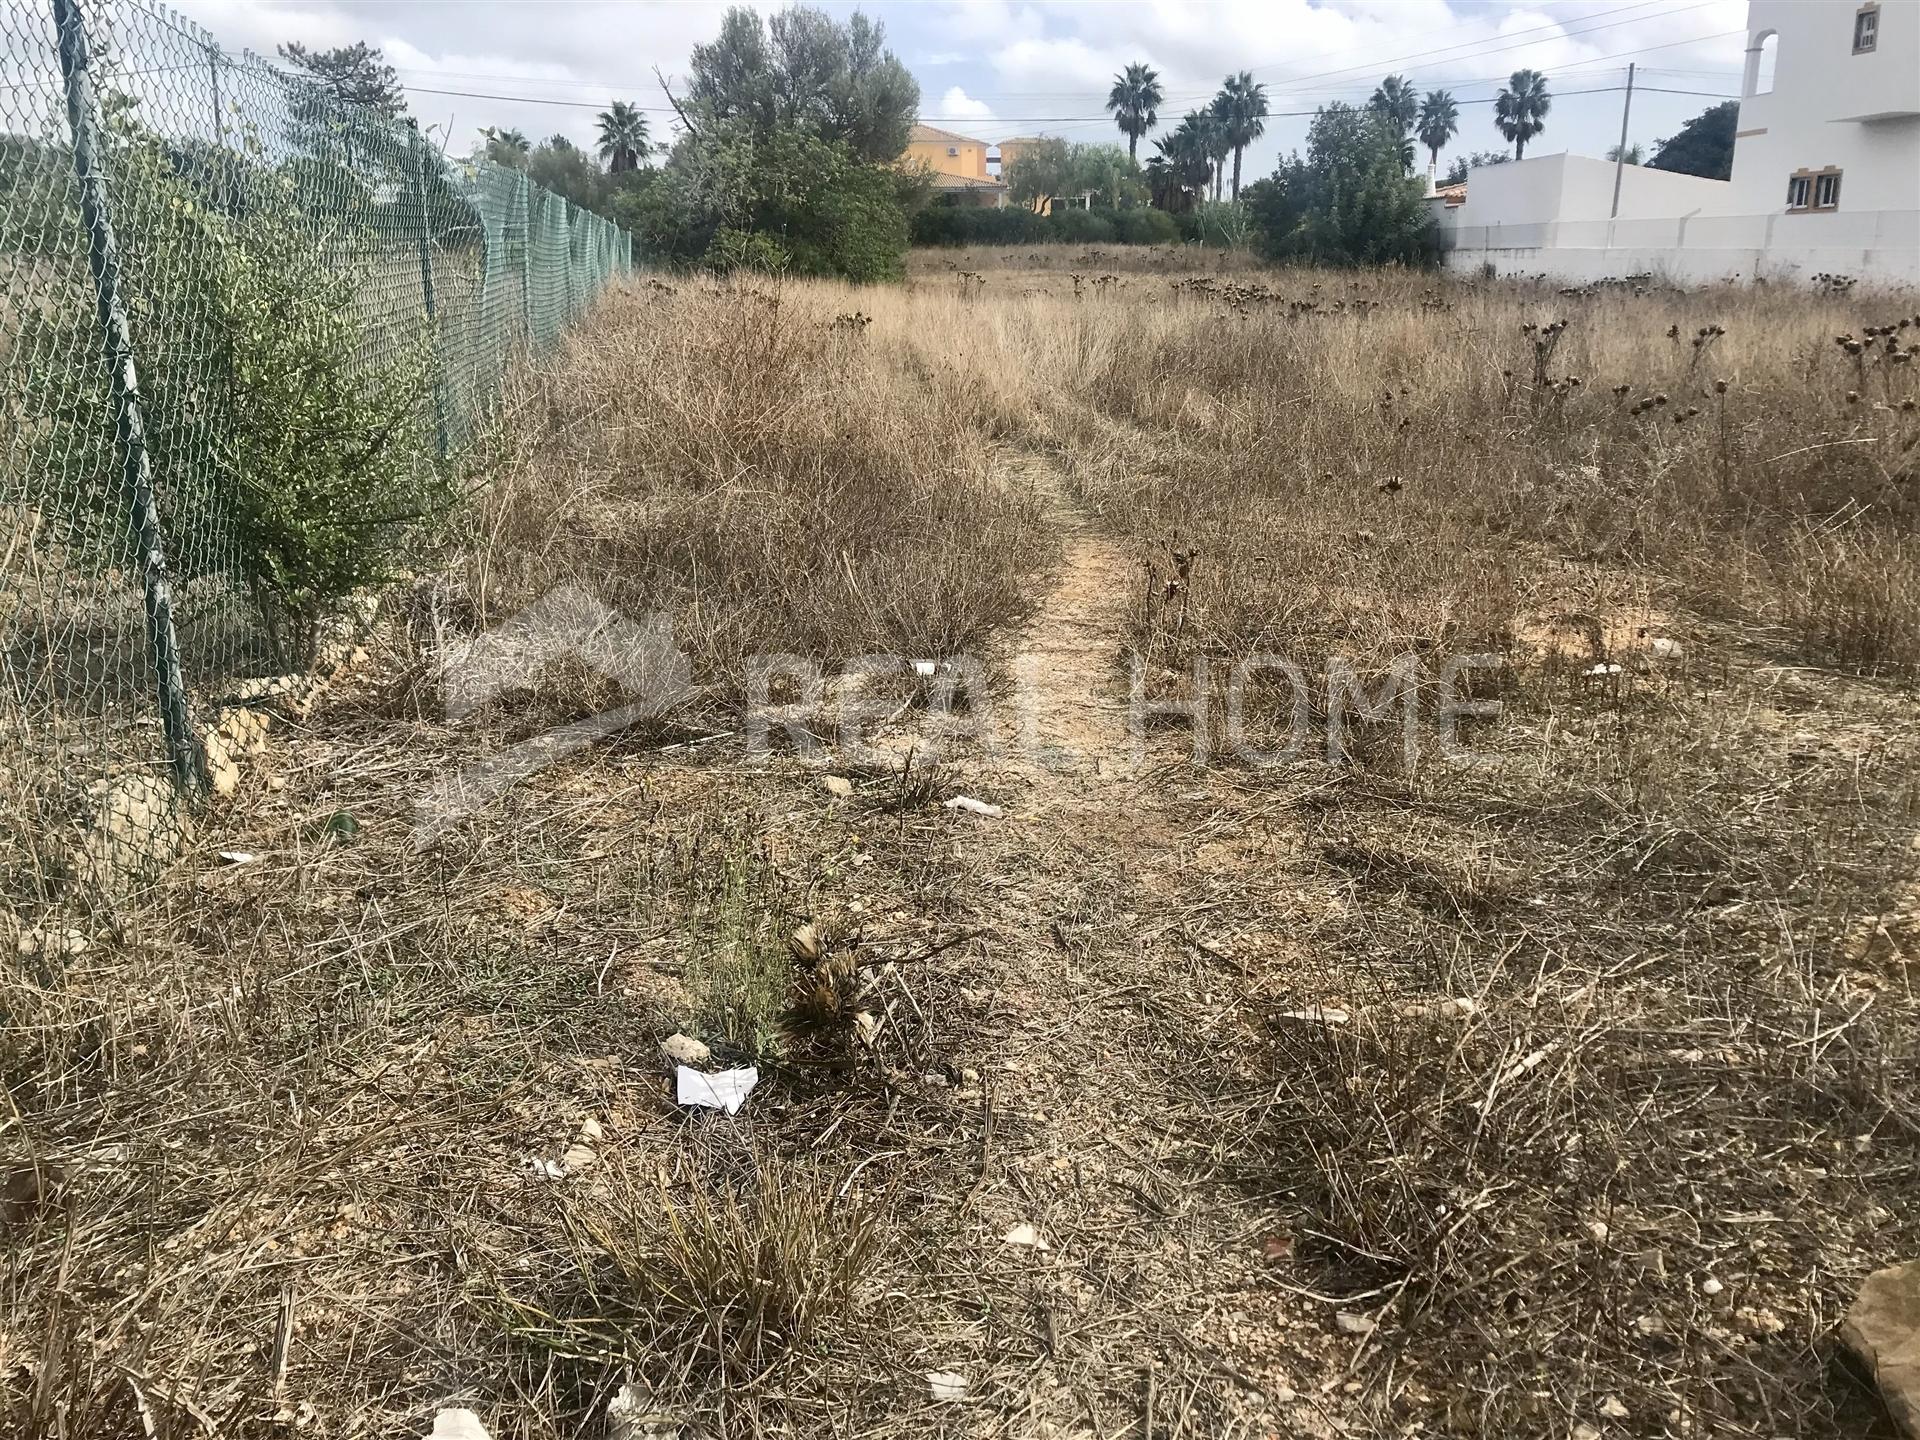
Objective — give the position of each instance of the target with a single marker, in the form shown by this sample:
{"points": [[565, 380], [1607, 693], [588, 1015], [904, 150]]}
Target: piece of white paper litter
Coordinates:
{"points": [[457, 1424], [947, 1384], [975, 807], [726, 1091]]}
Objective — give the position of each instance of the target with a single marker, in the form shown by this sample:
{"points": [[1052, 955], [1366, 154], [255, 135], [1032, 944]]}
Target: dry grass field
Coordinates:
{"points": [[1558, 1083]]}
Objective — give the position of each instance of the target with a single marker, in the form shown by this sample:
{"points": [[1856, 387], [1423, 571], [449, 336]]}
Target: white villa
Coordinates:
{"points": [[1826, 172]]}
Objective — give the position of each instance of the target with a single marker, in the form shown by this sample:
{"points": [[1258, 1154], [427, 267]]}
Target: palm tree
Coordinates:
{"points": [[1634, 154], [1183, 167], [1439, 122], [623, 137], [1210, 126], [1132, 100], [1185, 160], [507, 147], [1241, 111], [1520, 110], [1398, 104]]}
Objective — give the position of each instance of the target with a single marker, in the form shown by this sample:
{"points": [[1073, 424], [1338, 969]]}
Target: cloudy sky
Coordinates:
{"points": [[996, 69]]}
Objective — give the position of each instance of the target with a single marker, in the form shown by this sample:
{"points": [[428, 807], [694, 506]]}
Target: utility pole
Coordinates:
{"points": [[1620, 155]]}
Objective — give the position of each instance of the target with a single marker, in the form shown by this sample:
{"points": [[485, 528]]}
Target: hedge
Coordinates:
{"points": [[1017, 225]]}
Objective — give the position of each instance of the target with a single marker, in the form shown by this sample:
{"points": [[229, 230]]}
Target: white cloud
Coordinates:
{"points": [[957, 105]]}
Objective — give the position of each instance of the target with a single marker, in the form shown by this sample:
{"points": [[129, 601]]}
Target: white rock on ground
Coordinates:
{"points": [[685, 1050], [1883, 1331]]}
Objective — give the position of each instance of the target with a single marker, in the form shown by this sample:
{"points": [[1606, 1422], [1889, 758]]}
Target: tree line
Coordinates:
{"points": [[1191, 158], [790, 128]]}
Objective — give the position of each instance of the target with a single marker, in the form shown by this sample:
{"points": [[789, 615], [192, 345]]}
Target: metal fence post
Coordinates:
{"points": [[526, 260], [422, 157], [219, 119], [136, 475], [569, 226]]}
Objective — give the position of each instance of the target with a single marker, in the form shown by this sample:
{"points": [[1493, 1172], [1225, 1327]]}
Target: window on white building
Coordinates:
{"points": [[1866, 28], [1762, 53], [1814, 190]]}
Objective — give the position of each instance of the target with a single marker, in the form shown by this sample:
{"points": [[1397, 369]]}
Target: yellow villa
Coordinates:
{"points": [[958, 164]]}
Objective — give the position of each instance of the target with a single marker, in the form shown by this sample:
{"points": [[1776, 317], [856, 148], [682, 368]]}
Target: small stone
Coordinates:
{"points": [[1882, 1331], [1348, 1323], [1711, 1286], [1613, 1409], [51, 943], [838, 786], [685, 1050]]}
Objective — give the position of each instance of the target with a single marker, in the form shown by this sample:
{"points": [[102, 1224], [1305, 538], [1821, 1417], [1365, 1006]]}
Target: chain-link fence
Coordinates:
{"points": [[242, 325]]}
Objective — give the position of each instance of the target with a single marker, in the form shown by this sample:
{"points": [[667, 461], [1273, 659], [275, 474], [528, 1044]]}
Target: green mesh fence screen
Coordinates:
{"points": [[165, 208]]}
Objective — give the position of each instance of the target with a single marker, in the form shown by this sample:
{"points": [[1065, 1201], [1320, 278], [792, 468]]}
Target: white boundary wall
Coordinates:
{"points": [[1547, 215], [1873, 246]]}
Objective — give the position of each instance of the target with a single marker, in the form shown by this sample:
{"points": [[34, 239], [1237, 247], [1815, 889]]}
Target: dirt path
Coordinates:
{"points": [[1067, 723], [1147, 1312]]}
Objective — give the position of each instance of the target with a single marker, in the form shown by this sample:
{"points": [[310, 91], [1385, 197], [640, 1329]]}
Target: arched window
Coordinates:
{"points": [[1762, 52]]}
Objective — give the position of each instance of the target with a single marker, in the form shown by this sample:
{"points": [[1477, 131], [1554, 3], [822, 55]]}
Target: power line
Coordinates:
{"points": [[1101, 118], [1296, 85], [1288, 83], [1563, 33], [1560, 29]]}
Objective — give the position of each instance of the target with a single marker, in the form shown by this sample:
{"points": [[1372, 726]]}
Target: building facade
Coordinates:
{"points": [[958, 164], [1829, 108], [1826, 172]]}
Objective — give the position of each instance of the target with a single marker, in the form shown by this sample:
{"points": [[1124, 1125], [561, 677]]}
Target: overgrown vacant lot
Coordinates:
{"points": [[1561, 1083]]}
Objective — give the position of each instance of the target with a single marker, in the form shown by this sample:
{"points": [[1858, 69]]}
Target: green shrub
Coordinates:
{"points": [[1144, 227], [733, 250], [1223, 224], [809, 200], [1081, 227], [1016, 225], [1349, 202], [940, 224], [284, 458], [323, 461]]}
